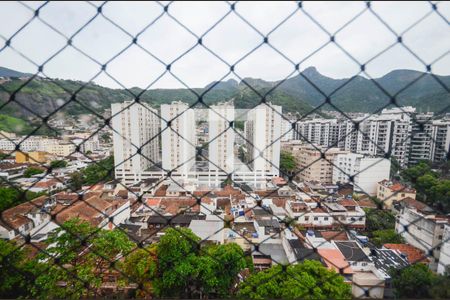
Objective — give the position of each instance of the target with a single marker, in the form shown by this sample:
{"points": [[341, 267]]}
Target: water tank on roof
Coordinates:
{"points": [[254, 235], [310, 232], [241, 213]]}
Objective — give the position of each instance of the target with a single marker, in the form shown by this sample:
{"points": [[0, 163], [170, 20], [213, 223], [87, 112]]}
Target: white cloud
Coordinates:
{"points": [[231, 39]]}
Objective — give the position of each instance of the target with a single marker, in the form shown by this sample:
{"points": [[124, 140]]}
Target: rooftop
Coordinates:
{"points": [[352, 251], [412, 253]]}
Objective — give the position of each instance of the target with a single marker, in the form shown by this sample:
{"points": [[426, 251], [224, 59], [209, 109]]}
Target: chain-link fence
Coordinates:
{"points": [[300, 187]]}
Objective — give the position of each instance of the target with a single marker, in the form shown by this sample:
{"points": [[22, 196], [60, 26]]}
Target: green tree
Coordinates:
{"points": [[377, 219], [307, 280], [58, 164], [140, 267], [30, 171], [411, 174], [16, 277], [76, 181], [229, 260], [78, 254], [440, 288], [99, 171], [11, 197], [186, 271], [386, 236], [287, 162], [413, 281]]}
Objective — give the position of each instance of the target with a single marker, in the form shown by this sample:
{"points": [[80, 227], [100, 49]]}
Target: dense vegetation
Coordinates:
{"points": [[432, 185], [30, 171], [16, 125], [58, 164], [11, 197], [296, 94], [417, 281], [307, 280], [288, 163], [176, 266]]}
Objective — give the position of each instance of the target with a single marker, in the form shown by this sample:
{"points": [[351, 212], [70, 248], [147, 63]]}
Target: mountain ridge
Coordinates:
{"points": [[299, 94]]}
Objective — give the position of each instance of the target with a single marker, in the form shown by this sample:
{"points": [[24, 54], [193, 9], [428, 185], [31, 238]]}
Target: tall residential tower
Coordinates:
{"points": [[135, 138]]}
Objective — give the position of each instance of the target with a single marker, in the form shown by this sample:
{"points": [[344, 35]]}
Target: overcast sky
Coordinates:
{"points": [[232, 39]]}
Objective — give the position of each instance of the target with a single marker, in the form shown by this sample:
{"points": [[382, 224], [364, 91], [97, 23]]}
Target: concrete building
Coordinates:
{"points": [[35, 157], [387, 132], [365, 171], [423, 230], [421, 137], [221, 138], [322, 132], [389, 192], [178, 140], [312, 166], [135, 139], [287, 132], [440, 142], [263, 132], [444, 259], [63, 149]]}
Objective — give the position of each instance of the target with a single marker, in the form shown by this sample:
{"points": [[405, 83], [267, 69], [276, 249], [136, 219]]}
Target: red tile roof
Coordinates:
{"points": [[335, 260], [413, 254], [334, 235]]}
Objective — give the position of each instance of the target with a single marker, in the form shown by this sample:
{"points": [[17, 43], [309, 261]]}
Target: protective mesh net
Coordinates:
{"points": [[252, 198]]}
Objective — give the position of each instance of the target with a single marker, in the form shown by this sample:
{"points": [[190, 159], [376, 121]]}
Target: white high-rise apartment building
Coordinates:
{"points": [[178, 140], [135, 138], [323, 132], [287, 133], [366, 171], [221, 137], [387, 132], [263, 132], [440, 142]]}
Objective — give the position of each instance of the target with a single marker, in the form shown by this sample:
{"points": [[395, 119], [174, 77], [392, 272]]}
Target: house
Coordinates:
{"points": [[10, 171], [385, 260], [354, 254], [444, 259], [410, 253], [297, 252], [21, 220], [388, 192], [48, 185], [209, 230], [423, 230]]}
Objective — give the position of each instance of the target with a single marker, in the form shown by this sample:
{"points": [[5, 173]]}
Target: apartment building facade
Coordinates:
{"points": [[312, 166], [263, 134], [365, 171], [221, 138], [178, 138], [135, 139], [423, 230]]}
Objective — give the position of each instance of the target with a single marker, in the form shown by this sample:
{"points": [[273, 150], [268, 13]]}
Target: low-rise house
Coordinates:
{"points": [[297, 252], [328, 215], [422, 230], [23, 219], [9, 171], [209, 230], [444, 259], [410, 253], [388, 192], [48, 185], [385, 260]]}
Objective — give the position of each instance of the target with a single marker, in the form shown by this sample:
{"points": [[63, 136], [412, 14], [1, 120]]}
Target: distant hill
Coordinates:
{"points": [[301, 93], [5, 72]]}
